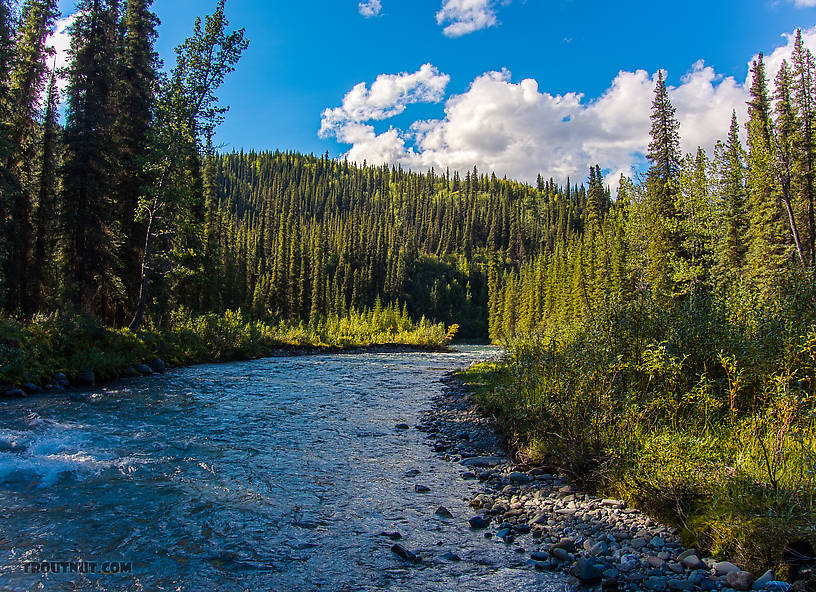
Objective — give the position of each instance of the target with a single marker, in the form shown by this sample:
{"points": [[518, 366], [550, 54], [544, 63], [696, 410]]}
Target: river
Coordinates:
{"points": [[276, 474]]}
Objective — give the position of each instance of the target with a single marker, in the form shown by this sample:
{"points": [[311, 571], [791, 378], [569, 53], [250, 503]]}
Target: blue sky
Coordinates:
{"points": [[305, 56]]}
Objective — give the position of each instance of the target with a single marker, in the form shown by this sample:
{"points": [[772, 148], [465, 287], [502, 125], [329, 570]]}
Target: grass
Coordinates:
{"points": [[34, 351]]}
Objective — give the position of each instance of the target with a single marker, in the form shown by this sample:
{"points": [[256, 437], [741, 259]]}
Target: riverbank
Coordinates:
{"points": [[53, 353], [597, 541]]}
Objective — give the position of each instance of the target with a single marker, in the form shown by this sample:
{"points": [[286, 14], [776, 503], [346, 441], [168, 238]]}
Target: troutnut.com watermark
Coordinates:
{"points": [[106, 568]]}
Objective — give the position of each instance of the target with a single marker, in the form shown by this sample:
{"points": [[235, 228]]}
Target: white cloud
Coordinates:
{"points": [[370, 8], [389, 95], [516, 129], [466, 16], [60, 40], [804, 3]]}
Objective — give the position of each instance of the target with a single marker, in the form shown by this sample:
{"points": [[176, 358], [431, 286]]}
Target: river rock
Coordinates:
{"points": [[450, 557], [394, 536], [723, 568], [519, 478], [158, 365], [144, 369], [402, 426], [740, 580], [31, 389], [693, 562], [129, 372], [686, 553], [657, 542], [13, 393], [61, 379], [762, 580], [11, 447], [86, 378], [478, 523], [656, 583], [628, 562], [639, 543], [411, 473], [599, 549], [777, 586], [567, 544], [539, 556], [561, 554], [421, 488], [484, 462], [586, 571], [443, 512], [681, 585], [404, 553]]}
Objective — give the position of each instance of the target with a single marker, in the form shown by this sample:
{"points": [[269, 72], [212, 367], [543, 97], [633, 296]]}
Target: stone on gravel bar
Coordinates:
{"points": [[478, 522], [693, 562], [586, 571], [740, 580], [484, 462], [723, 568], [421, 488]]}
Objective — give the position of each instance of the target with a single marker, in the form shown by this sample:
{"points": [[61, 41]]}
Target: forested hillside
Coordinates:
{"points": [[297, 237]]}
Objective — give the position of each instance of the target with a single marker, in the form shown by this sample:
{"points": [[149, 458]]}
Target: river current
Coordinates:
{"points": [[276, 474]]}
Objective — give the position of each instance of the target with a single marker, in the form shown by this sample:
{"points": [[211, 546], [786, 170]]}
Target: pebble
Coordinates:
{"points": [[421, 488], [402, 426], [477, 522]]}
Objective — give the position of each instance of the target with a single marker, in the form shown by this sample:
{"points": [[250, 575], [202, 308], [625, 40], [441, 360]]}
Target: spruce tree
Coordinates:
{"points": [[45, 208], [133, 104], [731, 247], [767, 243], [27, 85], [90, 240], [662, 186]]}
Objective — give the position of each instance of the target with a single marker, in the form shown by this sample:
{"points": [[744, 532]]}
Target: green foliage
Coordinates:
{"points": [[33, 352]]}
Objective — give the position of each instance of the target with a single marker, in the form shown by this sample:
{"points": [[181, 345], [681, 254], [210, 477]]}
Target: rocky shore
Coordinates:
{"points": [[597, 543]]}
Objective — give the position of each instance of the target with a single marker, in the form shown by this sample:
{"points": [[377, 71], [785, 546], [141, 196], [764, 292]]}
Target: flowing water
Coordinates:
{"points": [[277, 474]]}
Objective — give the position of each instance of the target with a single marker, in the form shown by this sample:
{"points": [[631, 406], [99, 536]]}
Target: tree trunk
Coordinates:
{"points": [[138, 317]]}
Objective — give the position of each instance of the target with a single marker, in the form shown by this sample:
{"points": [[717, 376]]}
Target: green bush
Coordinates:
{"points": [[702, 413]]}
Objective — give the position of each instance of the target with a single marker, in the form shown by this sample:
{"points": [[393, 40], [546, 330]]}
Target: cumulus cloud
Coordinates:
{"points": [[370, 8], [466, 16], [516, 129], [388, 96], [804, 3]]}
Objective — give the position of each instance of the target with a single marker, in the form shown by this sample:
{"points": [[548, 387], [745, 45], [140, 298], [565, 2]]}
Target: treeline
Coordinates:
{"points": [[298, 237], [736, 222], [98, 213]]}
